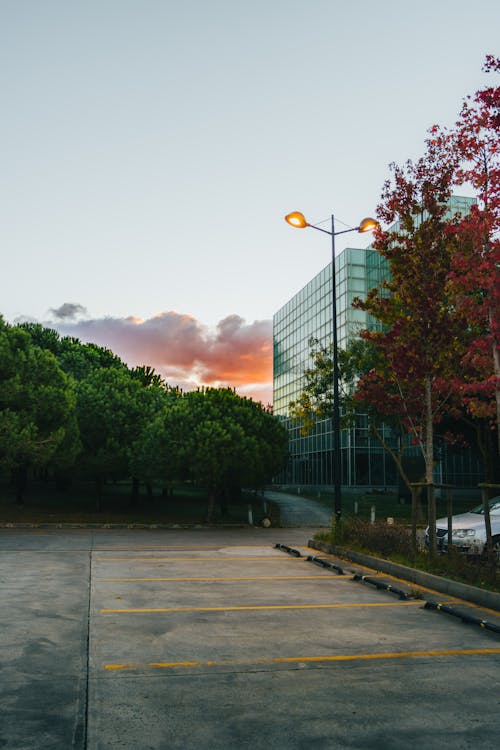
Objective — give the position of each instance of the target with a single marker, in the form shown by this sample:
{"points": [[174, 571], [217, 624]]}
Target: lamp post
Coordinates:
{"points": [[298, 220]]}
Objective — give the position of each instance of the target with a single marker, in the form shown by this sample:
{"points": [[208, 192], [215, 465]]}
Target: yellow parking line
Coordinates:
{"points": [[163, 610], [197, 559], [393, 655], [167, 547], [312, 659], [234, 578]]}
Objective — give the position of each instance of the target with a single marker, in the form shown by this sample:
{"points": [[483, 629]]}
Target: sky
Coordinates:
{"points": [[151, 148]]}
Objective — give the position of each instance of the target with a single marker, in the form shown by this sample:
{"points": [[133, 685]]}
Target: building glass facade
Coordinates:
{"points": [[308, 314]]}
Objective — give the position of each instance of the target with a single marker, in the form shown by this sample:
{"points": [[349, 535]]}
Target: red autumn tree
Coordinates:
{"points": [[421, 335], [474, 278], [439, 329]]}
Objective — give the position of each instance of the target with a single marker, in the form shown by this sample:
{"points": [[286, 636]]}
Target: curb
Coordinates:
{"points": [[488, 599], [88, 525]]}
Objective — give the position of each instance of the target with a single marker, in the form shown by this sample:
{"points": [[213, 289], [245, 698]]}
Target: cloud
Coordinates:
{"points": [[68, 310], [186, 352]]}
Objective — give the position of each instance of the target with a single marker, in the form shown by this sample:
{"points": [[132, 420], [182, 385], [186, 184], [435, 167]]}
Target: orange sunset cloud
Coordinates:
{"points": [[185, 352]]}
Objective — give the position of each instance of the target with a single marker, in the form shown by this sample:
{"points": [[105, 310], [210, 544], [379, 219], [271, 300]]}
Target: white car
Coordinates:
{"points": [[469, 530]]}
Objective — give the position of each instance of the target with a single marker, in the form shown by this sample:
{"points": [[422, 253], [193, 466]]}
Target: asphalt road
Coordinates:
{"points": [[213, 639]]}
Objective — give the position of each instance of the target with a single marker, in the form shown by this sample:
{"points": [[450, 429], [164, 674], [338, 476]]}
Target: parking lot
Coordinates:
{"points": [[215, 639]]}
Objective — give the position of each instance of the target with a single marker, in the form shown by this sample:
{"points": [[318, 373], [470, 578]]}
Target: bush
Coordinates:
{"points": [[379, 538]]}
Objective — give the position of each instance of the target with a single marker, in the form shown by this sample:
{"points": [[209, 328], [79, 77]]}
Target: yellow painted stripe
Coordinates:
{"points": [[313, 659], [234, 578], [176, 547], [393, 655], [197, 559], [170, 664], [151, 610]]}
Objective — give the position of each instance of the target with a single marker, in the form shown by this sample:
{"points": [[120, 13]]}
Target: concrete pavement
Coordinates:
{"points": [[210, 639]]}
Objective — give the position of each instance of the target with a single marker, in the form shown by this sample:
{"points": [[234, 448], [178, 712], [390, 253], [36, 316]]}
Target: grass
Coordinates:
{"points": [[388, 505], [187, 506]]}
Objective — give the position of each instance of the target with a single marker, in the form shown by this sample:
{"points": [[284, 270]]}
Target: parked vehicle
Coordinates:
{"points": [[469, 530]]}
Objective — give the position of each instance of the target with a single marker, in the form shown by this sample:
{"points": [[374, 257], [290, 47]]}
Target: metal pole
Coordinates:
{"points": [[297, 219], [336, 464]]}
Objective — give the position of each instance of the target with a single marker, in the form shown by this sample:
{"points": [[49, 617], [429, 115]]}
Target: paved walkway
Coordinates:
{"points": [[298, 512]]}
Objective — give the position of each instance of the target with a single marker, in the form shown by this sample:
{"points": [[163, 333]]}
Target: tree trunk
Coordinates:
{"points": [[224, 501], [496, 370], [98, 489], [429, 465], [20, 480], [449, 513], [396, 457], [211, 505], [134, 496], [415, 507], [487, 448]]}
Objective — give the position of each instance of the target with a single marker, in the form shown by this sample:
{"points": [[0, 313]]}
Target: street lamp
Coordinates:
{"points": [[298, 220]]}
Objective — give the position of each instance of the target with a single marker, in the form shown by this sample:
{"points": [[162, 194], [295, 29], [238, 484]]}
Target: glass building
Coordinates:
{"points": [[308, 314]]}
